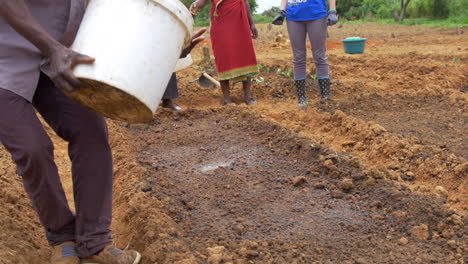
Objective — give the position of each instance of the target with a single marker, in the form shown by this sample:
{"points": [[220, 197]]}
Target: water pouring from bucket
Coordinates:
{"points": [[136, 44]]}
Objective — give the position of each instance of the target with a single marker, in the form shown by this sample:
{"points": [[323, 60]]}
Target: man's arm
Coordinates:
{"points": [[18, 16], [62, 60]]}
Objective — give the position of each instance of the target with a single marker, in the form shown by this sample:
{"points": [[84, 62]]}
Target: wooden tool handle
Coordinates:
{"points": [[213, 80]]}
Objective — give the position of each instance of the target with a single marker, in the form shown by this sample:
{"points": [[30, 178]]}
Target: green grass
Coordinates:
{"points": [[202, 22], [258, 19], [450, 22], [460, 21]]}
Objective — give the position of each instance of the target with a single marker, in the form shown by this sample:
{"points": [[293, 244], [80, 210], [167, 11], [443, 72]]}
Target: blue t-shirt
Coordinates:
{"points": [[304, 10]]}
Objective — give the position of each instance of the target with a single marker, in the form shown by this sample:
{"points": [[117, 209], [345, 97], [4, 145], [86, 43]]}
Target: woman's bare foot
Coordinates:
{"points": [[227, 101], [250, 100], [248, 97]]}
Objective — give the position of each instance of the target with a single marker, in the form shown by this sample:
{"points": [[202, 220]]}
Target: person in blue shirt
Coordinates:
{"points": [[308, 17]]}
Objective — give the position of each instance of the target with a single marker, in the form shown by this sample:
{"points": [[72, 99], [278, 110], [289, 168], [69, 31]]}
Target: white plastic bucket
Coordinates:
{"points": [[136, 44], [183, 63]]}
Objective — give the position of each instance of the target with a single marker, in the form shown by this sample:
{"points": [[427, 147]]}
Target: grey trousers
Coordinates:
{"points": [[31, 149], [172, 90], [317, 31]]}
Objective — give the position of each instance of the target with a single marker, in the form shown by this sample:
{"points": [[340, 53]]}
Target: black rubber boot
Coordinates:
{"points": [[324, 85], [301, 92]]}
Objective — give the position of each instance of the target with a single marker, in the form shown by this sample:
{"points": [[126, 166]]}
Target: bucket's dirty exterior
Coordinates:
{"points": [[354, 45], [136, 44]]}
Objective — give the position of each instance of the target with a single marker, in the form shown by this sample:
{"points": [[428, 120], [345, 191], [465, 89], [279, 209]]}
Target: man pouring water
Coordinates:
{"points": [[34, 38]]}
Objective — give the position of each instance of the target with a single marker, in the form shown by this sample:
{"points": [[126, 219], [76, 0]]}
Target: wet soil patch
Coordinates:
{"points": [[231, 179]]}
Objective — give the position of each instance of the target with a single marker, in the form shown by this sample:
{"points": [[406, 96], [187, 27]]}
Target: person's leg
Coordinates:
{"points": [[171, 93], [91, 159], [297, 34], [31, 149], [317, 30], [226, 92], [248, 97]]}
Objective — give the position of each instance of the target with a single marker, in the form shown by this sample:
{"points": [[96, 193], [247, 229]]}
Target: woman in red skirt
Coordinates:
{"points": [[232, 30]]}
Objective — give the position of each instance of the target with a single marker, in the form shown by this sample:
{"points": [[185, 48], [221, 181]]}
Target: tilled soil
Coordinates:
{"points": [[233, 180], [402, 104], [408, 116]]}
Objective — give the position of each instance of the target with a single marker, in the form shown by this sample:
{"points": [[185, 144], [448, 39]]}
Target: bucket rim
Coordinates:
{"points": [[181, 13], [353, 39]]}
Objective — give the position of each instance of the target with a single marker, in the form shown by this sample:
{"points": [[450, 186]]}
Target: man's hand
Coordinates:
{"points": [[61, 59], [196, 38], [332, 18], [61, 62], [254, 31], [279, 19]]}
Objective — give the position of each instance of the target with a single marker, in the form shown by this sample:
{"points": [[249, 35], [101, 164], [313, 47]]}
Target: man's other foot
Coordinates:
{"points": [[64, 254], [114, 255]]}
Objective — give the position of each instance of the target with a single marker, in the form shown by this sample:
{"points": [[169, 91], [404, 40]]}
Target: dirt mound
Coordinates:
{"points": [[20, 231], [407, 116]]}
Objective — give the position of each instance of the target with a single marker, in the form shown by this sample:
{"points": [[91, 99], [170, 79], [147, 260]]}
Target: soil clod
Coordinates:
{"points": [[299, 181]]}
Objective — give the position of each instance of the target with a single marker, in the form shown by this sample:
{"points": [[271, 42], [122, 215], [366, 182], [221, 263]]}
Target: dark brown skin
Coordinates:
{"points": [[199, 4], [253, 28], [62, 59], [246, 85], [196, 39], [225, 85]]}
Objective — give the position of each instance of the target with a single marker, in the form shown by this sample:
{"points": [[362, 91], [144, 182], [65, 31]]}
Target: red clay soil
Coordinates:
{"points": [[378, 175]]}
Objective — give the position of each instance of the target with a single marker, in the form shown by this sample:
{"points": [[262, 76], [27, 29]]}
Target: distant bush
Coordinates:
{"points": [[272, 12], [437, 9], [203, 17], [455, 11]]}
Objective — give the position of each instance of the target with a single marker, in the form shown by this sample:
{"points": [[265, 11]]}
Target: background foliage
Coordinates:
{"points": [[454, 11], [203, 18]]}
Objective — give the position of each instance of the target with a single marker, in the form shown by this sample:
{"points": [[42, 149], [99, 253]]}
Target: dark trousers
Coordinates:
{"points": [[172, 91], [31, 149]]}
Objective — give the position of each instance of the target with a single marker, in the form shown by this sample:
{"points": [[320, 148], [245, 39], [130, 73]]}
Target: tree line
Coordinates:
{"points": [[204, 14], [398, 9], [364, 9]]}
